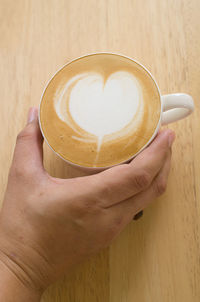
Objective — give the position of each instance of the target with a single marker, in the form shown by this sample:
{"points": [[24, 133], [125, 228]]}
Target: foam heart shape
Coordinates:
{"points": [[100, 107], [104, 109]]}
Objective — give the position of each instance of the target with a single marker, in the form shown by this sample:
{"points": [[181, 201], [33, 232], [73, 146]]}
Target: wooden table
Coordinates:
{"points": [[158, 257]]}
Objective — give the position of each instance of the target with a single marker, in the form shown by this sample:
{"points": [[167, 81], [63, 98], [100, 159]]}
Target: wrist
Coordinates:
{"points": [[16, 281], [14, 289], [24, 263]]}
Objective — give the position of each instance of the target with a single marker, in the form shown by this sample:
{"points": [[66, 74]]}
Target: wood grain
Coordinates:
{"points": [[158, 257]]}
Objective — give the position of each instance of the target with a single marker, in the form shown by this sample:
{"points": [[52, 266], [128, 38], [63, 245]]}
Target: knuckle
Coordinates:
{"points": [[142, 180], [84, 209], [89, 206], [20, 172], [160, 186], [104, 192], [26, 133]]}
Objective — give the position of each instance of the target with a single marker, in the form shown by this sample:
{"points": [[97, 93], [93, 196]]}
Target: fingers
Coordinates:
{"points": [[28, 152], [122, 182], [132, 206]]}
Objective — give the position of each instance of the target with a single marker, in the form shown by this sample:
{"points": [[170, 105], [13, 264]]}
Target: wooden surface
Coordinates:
{"points": [[157, 258]]}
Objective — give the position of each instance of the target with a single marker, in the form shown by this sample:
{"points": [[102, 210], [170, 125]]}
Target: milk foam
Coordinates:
{"points": [[97, 106]]}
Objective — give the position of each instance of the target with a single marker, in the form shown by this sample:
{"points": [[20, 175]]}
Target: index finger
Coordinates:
{"points": [[123, 181]]}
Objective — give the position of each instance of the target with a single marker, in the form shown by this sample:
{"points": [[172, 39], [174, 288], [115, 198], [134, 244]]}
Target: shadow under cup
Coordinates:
{"points": [[102, 109]]}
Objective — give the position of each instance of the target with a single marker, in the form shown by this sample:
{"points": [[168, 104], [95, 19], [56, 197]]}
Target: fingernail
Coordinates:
{"points": [[171, 138], [32, 115], [138, 215]]}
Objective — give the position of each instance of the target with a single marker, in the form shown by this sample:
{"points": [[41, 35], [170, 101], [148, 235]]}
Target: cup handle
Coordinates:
{"points": [[175, 107]]}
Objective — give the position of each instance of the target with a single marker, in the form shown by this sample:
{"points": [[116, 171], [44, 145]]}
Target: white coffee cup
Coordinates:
{"points": [[173, 108]]}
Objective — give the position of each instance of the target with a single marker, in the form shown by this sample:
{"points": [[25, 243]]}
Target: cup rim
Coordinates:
{"points": [[88, 168]]}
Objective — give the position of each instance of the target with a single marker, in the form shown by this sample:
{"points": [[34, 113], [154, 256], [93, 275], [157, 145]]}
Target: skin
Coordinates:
{"points": [[48, 224]]}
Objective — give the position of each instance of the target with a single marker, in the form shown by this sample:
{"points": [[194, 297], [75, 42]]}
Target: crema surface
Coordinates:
{"points": [[100, 110]]}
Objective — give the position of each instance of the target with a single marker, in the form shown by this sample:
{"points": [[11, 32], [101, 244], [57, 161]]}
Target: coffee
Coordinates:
{"points": [[100, 110]]}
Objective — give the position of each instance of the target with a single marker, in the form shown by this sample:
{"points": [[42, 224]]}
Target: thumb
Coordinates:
{"points": [[28, 154]]}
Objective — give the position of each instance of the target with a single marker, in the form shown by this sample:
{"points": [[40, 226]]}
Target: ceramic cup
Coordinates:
{"points": [[174, 107]]}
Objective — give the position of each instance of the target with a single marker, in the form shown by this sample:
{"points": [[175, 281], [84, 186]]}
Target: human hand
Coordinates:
{"points": [[48, 224]]}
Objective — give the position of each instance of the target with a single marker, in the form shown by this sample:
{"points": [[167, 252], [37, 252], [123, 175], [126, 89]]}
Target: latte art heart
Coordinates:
{"points": [[97, 106]]}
